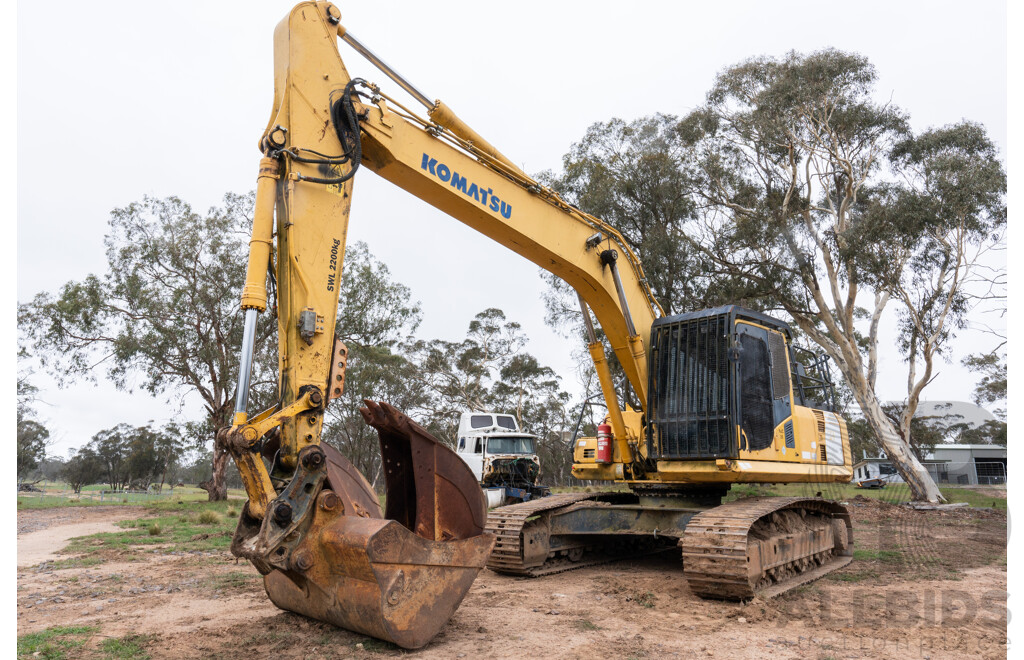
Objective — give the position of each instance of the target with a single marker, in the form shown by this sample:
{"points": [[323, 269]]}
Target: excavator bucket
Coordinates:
{"points": [[399, 577]]}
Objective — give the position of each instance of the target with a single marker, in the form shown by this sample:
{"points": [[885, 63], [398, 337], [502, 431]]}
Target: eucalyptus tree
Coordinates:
{"points": [[533, 393], [374, 372], [630, 175], [459, 374], [32, 437], [165, 313], [82, 468], [949, 214], [818, 197], [991, 388]]}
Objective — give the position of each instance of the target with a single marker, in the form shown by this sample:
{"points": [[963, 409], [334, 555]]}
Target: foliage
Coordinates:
{"points": [[459, 374], [184, 527], [164, 313], [129, 647], [992, 386], [489, 370], [790, 158], [374, 372], [133, 457], [949, 213], [926, 431], [82, 468], [792, 190], [373, 309], [533, 393], [629, 174], [784, 154], [32, 437], [992, 432]]}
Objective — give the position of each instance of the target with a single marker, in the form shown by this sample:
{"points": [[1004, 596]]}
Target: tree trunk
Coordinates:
{"points": [[921, 484], [217, 486]]}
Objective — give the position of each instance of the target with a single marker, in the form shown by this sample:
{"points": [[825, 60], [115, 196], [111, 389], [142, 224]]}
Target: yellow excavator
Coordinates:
{"points": [[723, 397]]}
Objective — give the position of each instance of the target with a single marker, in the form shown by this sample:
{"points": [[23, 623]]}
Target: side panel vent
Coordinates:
{"points": [[790, 440], [820, 417]]}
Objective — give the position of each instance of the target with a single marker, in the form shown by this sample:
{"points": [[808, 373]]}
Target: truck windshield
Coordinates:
{"points": [[510, 445]]}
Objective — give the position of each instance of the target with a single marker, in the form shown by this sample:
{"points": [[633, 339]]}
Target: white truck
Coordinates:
{"points": [[503, 458]]}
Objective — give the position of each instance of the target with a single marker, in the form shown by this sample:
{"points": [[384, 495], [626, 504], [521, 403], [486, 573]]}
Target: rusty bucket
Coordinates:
{"points": [[397, 577]]}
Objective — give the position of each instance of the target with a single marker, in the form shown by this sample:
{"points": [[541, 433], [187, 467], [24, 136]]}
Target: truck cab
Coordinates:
{"points": [[502, 457]]}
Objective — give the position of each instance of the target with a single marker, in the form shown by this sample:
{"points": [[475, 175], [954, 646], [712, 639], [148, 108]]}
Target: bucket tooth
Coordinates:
{"points": [[399, 577]]}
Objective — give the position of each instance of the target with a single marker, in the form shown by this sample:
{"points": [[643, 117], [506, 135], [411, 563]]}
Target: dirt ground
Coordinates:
{"points": [[928, 585]]}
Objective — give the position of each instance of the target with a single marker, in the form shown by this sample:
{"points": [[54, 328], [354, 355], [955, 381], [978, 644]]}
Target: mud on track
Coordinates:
{"points": [[923, 585]]}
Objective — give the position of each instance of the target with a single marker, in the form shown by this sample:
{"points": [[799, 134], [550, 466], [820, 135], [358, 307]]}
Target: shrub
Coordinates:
{"points": [[209, 518]]}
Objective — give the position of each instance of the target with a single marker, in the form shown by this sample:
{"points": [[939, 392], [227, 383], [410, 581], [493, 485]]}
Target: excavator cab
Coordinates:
{"points": [[726, 384]]}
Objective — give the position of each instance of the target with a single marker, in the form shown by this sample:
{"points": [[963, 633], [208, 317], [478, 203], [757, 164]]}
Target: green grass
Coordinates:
{"points": [[739, 491], [183, 527], [75, 562], [585, 625], [893, 493], [57, 494], [53, 643], [129, 647]]}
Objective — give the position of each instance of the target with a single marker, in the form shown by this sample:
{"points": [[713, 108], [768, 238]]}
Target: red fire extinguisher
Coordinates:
{"points": [[604, 443]]}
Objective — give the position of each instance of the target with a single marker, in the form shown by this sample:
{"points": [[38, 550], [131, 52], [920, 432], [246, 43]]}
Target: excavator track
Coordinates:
{"points": [[506, 524], [764, 546]]}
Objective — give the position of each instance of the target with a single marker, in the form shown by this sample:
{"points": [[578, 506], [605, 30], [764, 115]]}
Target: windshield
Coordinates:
{"points": [[510, 445]]}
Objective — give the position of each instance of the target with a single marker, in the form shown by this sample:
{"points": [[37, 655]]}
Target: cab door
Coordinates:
{"points": [[470, 450], [764, 385]]}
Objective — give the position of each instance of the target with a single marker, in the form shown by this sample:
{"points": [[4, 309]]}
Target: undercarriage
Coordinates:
{"points": [[734, 551]]}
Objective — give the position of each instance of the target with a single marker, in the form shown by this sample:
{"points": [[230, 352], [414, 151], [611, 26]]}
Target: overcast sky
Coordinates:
{"points": [[117, 100]]}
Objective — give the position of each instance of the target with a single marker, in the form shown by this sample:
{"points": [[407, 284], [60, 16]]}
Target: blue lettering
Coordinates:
{"points": [[484, 196], [428, 163]]}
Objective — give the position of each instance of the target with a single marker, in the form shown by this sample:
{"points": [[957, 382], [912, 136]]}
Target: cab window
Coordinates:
{"points": [[478, 448]]}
